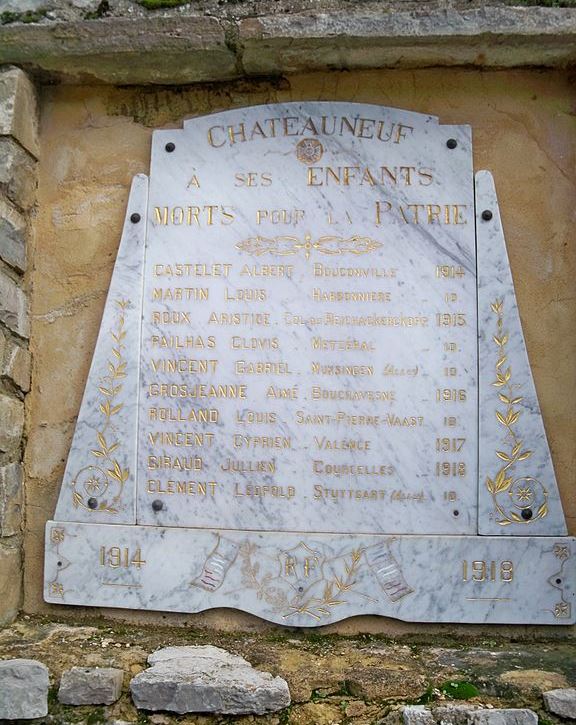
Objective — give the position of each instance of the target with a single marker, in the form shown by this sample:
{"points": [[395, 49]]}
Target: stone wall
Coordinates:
{"points": [[18, 157], [95, 138]]}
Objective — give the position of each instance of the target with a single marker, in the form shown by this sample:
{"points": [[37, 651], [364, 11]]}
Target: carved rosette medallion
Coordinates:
{"points": [[309, 151]]}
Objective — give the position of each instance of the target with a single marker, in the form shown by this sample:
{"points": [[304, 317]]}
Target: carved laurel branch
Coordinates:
{"points": [[109, 389], [317, 608], [334, 589], [286, 245], [515, 451]]}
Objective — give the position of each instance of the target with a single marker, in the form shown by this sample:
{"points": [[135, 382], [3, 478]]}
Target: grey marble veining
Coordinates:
{"points": [[517, 489], [100, 477], [311, 580], [295, 192]]}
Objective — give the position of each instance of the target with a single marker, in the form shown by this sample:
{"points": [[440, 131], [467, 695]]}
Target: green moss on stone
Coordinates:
{"points": [[29, 16]]}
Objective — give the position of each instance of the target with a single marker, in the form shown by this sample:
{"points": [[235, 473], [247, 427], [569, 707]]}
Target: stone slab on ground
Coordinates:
{"points": [[454, 714], [504, 716], [90, 686], [207, 679], [23, 689], [561, 702], [417, 715]]}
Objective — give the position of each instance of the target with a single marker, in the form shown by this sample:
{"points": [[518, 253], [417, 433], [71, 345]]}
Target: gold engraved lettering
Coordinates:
{"points": [[261, 442], [199, 216], [291, 217], [180, 439], [116, 557], [344, 345], [366, 176], [342, 444], [421, 214], [175, 463], [169, 294], [178, 415], [252, 179], [319, 393], [254, 343], [245, 295], [250, 319], [192, 270], [321, 270], [255, 417], [277, 271], [199, 392], [171, 317], [487, 571], [385, 131], [247, 367], [264, 491], [176, 342], [234, 465], [321, 468], [319, 295], [181, 488], [184, 365], [274, 393], [346, 370]]}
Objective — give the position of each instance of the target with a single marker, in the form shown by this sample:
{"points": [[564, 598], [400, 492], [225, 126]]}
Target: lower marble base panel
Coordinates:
{"points": [[309, 580]]}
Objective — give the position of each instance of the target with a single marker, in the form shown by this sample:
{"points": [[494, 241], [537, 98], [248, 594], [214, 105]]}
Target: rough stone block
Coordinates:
{"points": [[503, 717], [12, 236], [10, 584], [23, 689], [15, 362], [90, 686], [417, 715], [11, 422], [17, 174], [13, 306], [207, 679], [10, 499], [18, 110], [561, 702], [454, 714]]}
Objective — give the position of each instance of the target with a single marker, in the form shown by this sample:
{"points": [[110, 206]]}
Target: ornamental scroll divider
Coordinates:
{"points": [[286, 245]]}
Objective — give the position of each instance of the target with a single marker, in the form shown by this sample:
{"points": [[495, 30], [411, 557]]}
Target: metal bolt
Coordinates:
{"points": [[526, 514], [92, 503], [157, 505], [451, 143], [486, 215], [170, 147], [135, 218], [456, 512]]}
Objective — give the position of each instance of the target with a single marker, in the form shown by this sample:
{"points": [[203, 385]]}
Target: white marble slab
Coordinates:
{"points": [[308, 580], [517, 489], [264, 436], [99, 480], [350, 431]]}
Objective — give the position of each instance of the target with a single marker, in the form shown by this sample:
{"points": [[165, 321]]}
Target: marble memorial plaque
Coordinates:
{"points": [[293, 427]]}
